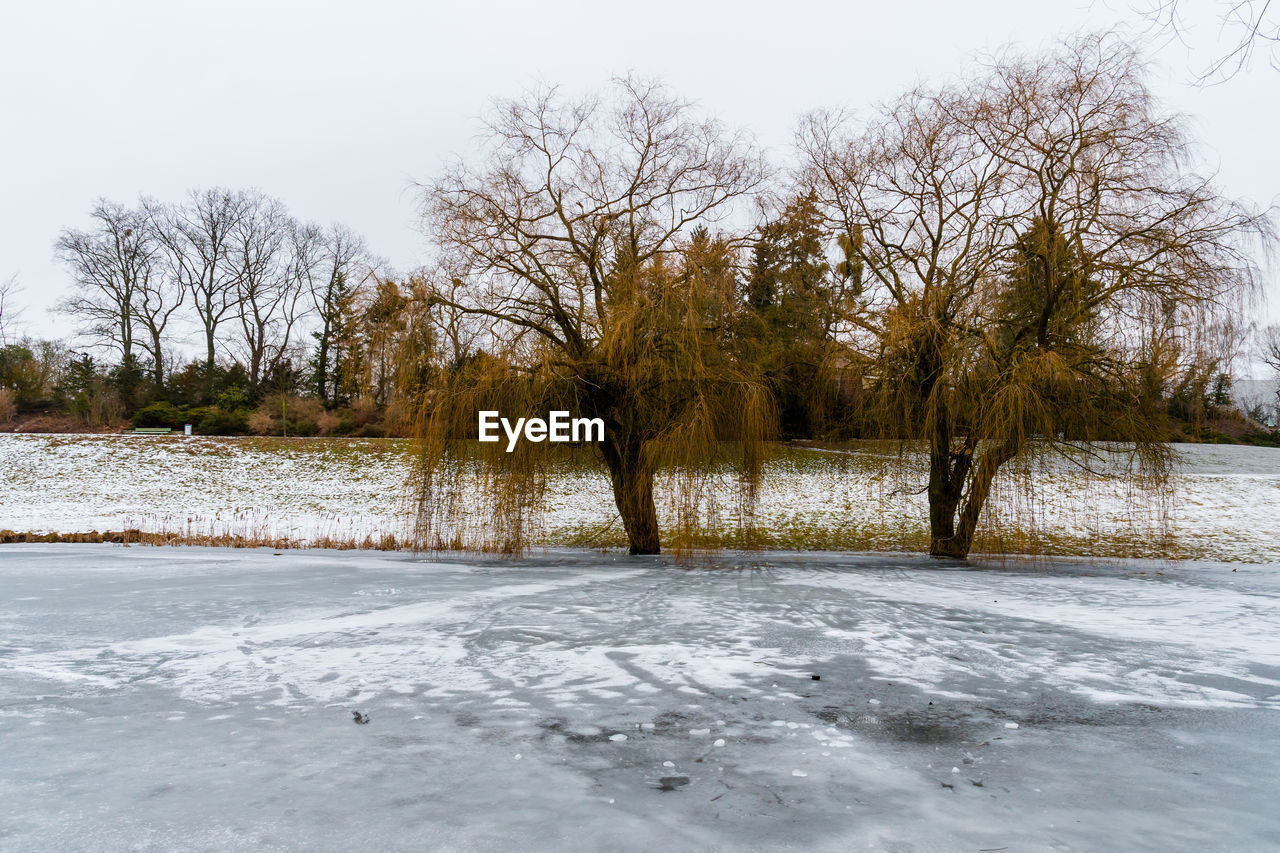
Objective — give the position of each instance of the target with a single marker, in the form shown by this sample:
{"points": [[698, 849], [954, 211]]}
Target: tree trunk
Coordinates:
{"points": [[944, 496], [633, 493], [159, 360], [942, 504], [209, 350], [208, 366], [322, 367], [948, 469], [950, 538], [980, 491]]}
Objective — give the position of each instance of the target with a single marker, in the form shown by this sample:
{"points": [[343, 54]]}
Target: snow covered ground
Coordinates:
{"points": [[1224, 506], [203, 699], [254, 487]]}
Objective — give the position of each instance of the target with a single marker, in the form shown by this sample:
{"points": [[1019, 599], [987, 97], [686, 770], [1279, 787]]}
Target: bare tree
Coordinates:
{"points": [[1252, 25], [457, 332], [156, 298], [929, 207], [156, 302], [110, 266], [1021, 234], [9, 312], [1269, 340], [269, 258], [568, 236], [197, 239]]}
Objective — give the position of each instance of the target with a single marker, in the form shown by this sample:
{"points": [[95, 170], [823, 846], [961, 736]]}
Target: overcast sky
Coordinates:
{"points": [[339, 108]]}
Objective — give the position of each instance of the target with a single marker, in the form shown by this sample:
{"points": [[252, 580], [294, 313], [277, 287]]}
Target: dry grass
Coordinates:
{"points": [[224, 540], [799, 537]]}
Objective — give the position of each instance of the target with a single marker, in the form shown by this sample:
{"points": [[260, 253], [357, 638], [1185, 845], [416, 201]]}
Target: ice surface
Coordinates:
{"points": [[169, 699]]}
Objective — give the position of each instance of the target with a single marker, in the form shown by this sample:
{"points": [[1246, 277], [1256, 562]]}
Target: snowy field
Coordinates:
{"points": [[203, 699], [1224, 505]]}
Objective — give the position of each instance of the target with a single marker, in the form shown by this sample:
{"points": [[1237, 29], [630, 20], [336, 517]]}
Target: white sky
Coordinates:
{"points": [[337, 108]]}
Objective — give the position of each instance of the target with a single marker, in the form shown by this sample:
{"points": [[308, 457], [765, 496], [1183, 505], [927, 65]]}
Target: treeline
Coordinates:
{"points": [[299, 329], [305, 332]]}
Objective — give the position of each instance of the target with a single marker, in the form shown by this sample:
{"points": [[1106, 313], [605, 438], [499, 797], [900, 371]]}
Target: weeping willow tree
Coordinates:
{"points": [[1030, 239], [582, 241]]}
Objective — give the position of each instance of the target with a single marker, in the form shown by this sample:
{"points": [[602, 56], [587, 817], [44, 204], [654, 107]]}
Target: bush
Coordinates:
{"points": [[364, 411], [233, 399], [218, 421], [329, 422], [262, 423], [304, 416], [8, 406], [303, 427], [162, 414]]}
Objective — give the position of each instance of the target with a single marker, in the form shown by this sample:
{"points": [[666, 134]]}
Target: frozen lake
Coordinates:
{"points": [[199, 699]]}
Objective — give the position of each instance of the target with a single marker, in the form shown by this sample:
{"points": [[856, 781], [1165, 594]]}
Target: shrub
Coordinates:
{"points": [[303, 416], [303, 427], [262, 423], [218, 421], [398, 419], [162, 414], [328, 422], [364, 411], [233, 399]]}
